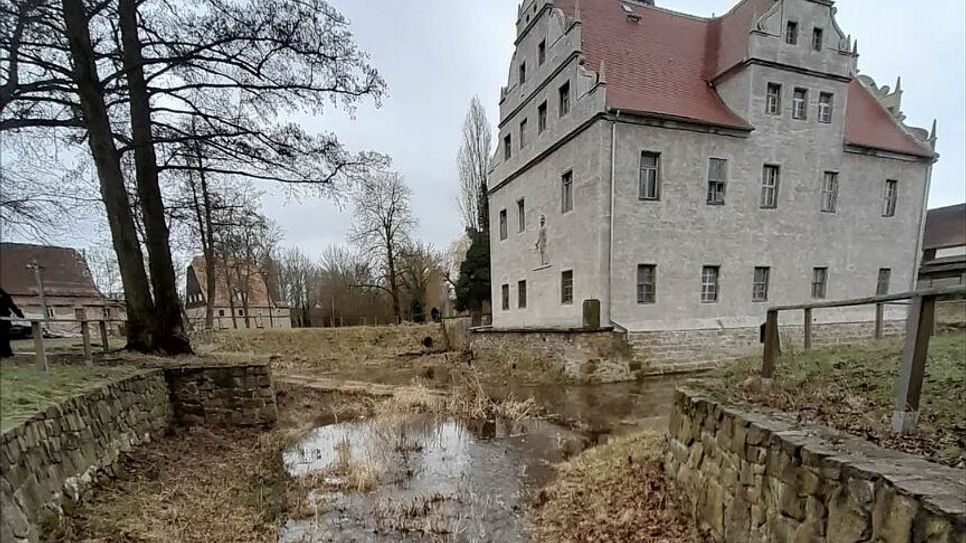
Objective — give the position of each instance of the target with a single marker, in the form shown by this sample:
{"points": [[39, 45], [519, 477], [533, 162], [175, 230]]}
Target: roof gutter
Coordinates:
{"points": [[610, 241]]}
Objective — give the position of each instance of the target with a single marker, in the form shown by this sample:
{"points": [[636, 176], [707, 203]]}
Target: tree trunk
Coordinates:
{"points": [[168, 329], [208, 248], [137, 294]]}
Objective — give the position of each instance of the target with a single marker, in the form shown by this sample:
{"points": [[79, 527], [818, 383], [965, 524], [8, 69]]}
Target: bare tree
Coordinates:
{"points": [[472, 163], [128, 76], [421, 273], [383, 225], [102, 263]]}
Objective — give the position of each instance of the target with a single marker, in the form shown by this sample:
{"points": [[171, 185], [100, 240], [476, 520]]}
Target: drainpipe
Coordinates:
{"points": [[610, 243], [917, 261]]}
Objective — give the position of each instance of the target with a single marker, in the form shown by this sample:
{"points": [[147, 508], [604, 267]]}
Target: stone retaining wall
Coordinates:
{"points": [[581, 356], [755, 476], [236, 395], [675, 351], [51, 460]]}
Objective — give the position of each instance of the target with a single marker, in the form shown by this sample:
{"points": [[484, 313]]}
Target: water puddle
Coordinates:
{"points": [[423, 478]]}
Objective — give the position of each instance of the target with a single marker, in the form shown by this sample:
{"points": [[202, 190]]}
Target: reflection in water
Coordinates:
{"points": [[431, 478]]}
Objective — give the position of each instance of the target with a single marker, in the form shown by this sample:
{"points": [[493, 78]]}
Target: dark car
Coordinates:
{"points": [[20, 331]]}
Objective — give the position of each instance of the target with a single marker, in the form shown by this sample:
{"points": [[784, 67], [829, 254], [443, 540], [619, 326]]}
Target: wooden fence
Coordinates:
{"points": [[37, 328], [919, 328]]}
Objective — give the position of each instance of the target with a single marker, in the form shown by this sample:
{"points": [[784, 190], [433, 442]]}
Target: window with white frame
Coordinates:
{"points": [[650, 183], [882, 281], [890, 196], [709, 284], [503, 228], [769, 186], [830, 191], [567, 192], [773, 99], [567, 287], [646, 283], [800, 104], [717, 181], [521, 215], [759, 287], [819, 282], [825, 101]]}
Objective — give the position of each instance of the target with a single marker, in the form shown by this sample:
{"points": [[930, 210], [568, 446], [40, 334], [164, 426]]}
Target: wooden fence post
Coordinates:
{"points": [[40, 355], [771, 348], [808, 328], [102, 325], [879, 315], [86, 333], [912, 368]]}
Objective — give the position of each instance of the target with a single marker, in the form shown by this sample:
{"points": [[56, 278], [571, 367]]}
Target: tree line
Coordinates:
{"points": [[181, 110]]}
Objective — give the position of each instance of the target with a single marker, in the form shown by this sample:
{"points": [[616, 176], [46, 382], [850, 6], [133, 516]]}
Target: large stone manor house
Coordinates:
{"points": [[688, 172]]}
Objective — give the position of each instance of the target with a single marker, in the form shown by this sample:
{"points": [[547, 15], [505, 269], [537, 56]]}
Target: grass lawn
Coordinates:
{"points": [[67, 344], [852, 388], [25, 390]]}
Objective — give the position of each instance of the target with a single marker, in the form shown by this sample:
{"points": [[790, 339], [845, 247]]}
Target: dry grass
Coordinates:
{"points": [[467, 399], [852, 388], [614, 493], [204, 486]]}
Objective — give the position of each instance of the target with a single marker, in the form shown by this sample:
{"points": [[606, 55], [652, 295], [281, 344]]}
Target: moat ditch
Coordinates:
{"points": [[397, 475]]}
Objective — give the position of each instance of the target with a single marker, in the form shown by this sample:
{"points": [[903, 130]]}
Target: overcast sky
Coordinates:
{"points": [[437, 54]]}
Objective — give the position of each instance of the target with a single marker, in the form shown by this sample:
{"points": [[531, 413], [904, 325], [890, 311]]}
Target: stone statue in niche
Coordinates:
{"points": [[541, 244]]}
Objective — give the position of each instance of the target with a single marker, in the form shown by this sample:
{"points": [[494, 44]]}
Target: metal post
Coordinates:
{"points": [[879, 314], [771, 348], [912, 368], [808, 328], [40, 355], [103, 329]]}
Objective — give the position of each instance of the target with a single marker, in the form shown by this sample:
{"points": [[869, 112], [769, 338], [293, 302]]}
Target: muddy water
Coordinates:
{"points": [[421, 478]]}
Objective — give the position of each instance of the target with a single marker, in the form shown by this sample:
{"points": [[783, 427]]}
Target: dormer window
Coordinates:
{"points": [[791, 33], [817, 37], [523, 73], [542, 52]]}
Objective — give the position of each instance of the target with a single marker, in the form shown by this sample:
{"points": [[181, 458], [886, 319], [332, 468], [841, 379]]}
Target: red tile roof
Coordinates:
{"points": [[868, 124], [662, 63], [65, 271], [655, 65]]}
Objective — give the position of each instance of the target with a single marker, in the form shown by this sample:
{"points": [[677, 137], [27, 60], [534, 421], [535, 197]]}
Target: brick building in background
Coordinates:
{"points": [[238, 286], [68, 286], [688, 172]]}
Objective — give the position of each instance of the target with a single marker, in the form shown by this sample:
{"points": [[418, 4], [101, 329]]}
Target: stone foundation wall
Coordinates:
{"points": [[755, 476], [675, 351], [236, 395], [581, 356], [51, 460]]}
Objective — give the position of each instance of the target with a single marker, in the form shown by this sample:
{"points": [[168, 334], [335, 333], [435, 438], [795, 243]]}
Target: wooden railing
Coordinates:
{"points": [[919, 327], [37, 329]]}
